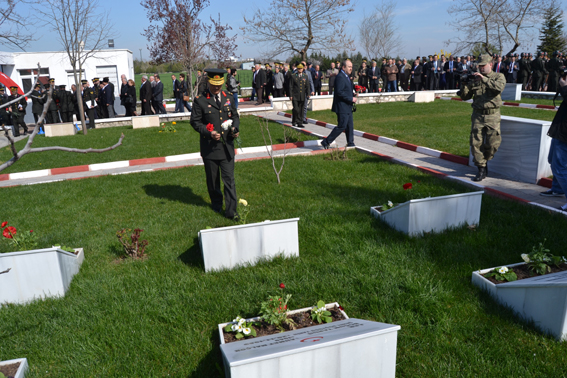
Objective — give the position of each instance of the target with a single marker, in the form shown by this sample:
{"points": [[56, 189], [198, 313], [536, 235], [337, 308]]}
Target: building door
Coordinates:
{"points": [[112, 73]]}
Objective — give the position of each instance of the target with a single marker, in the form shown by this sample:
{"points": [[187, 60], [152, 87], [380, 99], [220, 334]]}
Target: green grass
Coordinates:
{"points": [[158, 317], [442, 125], [137, 144], [244, 76]]}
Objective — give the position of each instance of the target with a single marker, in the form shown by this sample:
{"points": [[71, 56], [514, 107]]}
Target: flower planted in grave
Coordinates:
{"points": [[387, 205], [502, 274], [540, 259], [274, 310], [320, 314], [241, 328], [243, 210], [134, 247], [21, 241]]}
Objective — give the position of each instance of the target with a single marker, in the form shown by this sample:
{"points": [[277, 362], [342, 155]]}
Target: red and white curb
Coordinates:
{"points": [[516, 104], [493, 192], [545, 182]]}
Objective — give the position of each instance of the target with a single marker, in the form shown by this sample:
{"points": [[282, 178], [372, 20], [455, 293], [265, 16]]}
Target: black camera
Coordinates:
{"points": [[468, 75]]}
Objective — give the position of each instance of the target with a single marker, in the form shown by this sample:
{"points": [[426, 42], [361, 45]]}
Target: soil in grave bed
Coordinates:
{"points": [[302, 320], [522, 271], [10, 370]]}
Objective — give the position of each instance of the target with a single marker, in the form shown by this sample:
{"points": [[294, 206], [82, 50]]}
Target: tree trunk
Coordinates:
{"points": [[80, 99]]}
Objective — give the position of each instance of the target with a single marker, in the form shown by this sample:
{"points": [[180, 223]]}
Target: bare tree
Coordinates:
{"points": [[379, 33], [13, 25], [177, 33], [505, 24], [83, 30], [299, 25], [17, 155]]}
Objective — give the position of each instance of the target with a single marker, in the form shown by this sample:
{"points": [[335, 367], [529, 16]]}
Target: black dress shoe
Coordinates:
{"points": [[305, 122], [324, 144], [300, 125], [351, 145], [481, 175], [218, 211]]}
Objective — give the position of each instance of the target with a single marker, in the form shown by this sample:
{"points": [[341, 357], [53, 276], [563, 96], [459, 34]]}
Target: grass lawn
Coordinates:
{"points": [[137, 144], [442, 125], [158, 317]]}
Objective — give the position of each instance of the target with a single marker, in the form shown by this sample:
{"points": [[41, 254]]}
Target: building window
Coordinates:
{"points": [[28, 77]]}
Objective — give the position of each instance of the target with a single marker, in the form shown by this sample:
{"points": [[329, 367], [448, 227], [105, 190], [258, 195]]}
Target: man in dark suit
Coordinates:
{"points": [[157, 96], [342, 105], [65, 104], [18, 111], [108, 99], [52, 111], [450, 68], [499, 66], [512, 70], [434, 73], [259, 81], [146, 96], [332, 75], [363, 75], [317, 77], [89, 103], [210, 110], [373, 77], [416, 71], [425, 76]]}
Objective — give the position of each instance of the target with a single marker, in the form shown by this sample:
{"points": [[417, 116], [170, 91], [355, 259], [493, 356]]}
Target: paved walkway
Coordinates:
{"points": [[383, 147]]}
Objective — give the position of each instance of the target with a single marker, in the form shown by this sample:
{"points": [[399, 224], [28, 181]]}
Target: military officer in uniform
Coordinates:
{"points": [[211, 108], [18, 111], [299, 90], [485, 89], [38, 99], [89, 103], [52, 111], [4, 115], [524, 72], [66, 108], [538, 68], [97, 93], [554, 68]]}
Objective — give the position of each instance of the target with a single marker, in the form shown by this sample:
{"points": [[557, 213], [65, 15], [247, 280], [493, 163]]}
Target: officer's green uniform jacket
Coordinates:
{"points": [[206, 111], [299, 86], [89, 98], [16, 110], [486, 92]]}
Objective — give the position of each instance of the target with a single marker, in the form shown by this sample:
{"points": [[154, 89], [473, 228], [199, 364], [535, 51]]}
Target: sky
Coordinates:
{"points": [[422, 26]]}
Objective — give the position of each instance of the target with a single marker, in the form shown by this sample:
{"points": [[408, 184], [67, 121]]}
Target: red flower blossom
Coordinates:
{"points": [[4, 224], [31, 231], [282, 286], [341, 308], [210, 127], [408, 186], [9, 232]]}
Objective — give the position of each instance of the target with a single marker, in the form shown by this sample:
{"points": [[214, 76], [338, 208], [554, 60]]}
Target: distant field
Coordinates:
{"points": [[244, 76]]}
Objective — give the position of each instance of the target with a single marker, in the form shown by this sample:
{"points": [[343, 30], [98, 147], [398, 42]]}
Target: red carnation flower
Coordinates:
{"points": [[4, 224], [341, 308], [31, 231], [282, 286], [210, 127], [9, 232], [408, 186]]}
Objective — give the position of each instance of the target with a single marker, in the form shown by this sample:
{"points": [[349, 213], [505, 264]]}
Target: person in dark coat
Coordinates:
{"points": [[558, 149], [157, 96], [52, 111], [416, 71], [4, 115], [130, 98], [343, 100], [317, 77], [96, 90], [18, 111], [259, 82], [89, 103], [210, 109], [184, 93], [146, 96], [108, 98], [123, 93], [38, 99], [299, 89], [65, 104]]}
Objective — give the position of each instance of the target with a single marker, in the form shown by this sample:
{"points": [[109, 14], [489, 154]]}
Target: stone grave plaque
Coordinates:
{"points": [[291, 342]]}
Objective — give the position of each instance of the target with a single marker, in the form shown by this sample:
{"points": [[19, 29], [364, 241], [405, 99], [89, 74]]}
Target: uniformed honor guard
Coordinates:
{"points": [[66, 107], [484, 88], [18, 111], [38, 99], [211, 108], [89, 103], [97, 93], [299, 90], [52, 111]]}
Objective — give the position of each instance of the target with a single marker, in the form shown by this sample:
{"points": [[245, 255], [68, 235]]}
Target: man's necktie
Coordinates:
{"points": [[217, 99]]}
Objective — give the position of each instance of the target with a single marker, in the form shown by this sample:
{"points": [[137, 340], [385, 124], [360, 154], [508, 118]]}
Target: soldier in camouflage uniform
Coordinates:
{"points": [[485, 90]]}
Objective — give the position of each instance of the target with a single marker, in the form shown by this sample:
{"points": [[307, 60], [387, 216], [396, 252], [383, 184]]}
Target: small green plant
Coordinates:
{"points": [[241, 327], [64, 248], [135, 247], [2, 375], [21, 241], [274, 310], [387, 205], [243, 211], [320, 314], [502, 274], [540, 259]]}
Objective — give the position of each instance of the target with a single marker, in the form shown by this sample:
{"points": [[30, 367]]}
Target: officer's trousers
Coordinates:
{"points": [[485, 137]]}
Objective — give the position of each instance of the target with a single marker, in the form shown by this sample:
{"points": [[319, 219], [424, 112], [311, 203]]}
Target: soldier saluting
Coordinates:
{"points": [[299, 90], [211, 108]]}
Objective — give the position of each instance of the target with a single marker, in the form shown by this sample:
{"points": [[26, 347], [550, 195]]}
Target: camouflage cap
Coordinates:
{"points": [[484, 59]]}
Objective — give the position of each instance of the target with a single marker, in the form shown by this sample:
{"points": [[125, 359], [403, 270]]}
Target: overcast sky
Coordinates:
{"points": [[423, 26]]}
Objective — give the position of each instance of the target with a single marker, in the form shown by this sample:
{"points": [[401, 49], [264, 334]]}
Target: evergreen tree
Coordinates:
{"points": [[551, 33]]}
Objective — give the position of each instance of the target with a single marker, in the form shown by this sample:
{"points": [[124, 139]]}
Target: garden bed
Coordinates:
{"points": [[523, 272]]}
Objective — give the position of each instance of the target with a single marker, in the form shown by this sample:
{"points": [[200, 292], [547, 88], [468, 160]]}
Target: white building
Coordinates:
{"points": [[111, 63]]}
